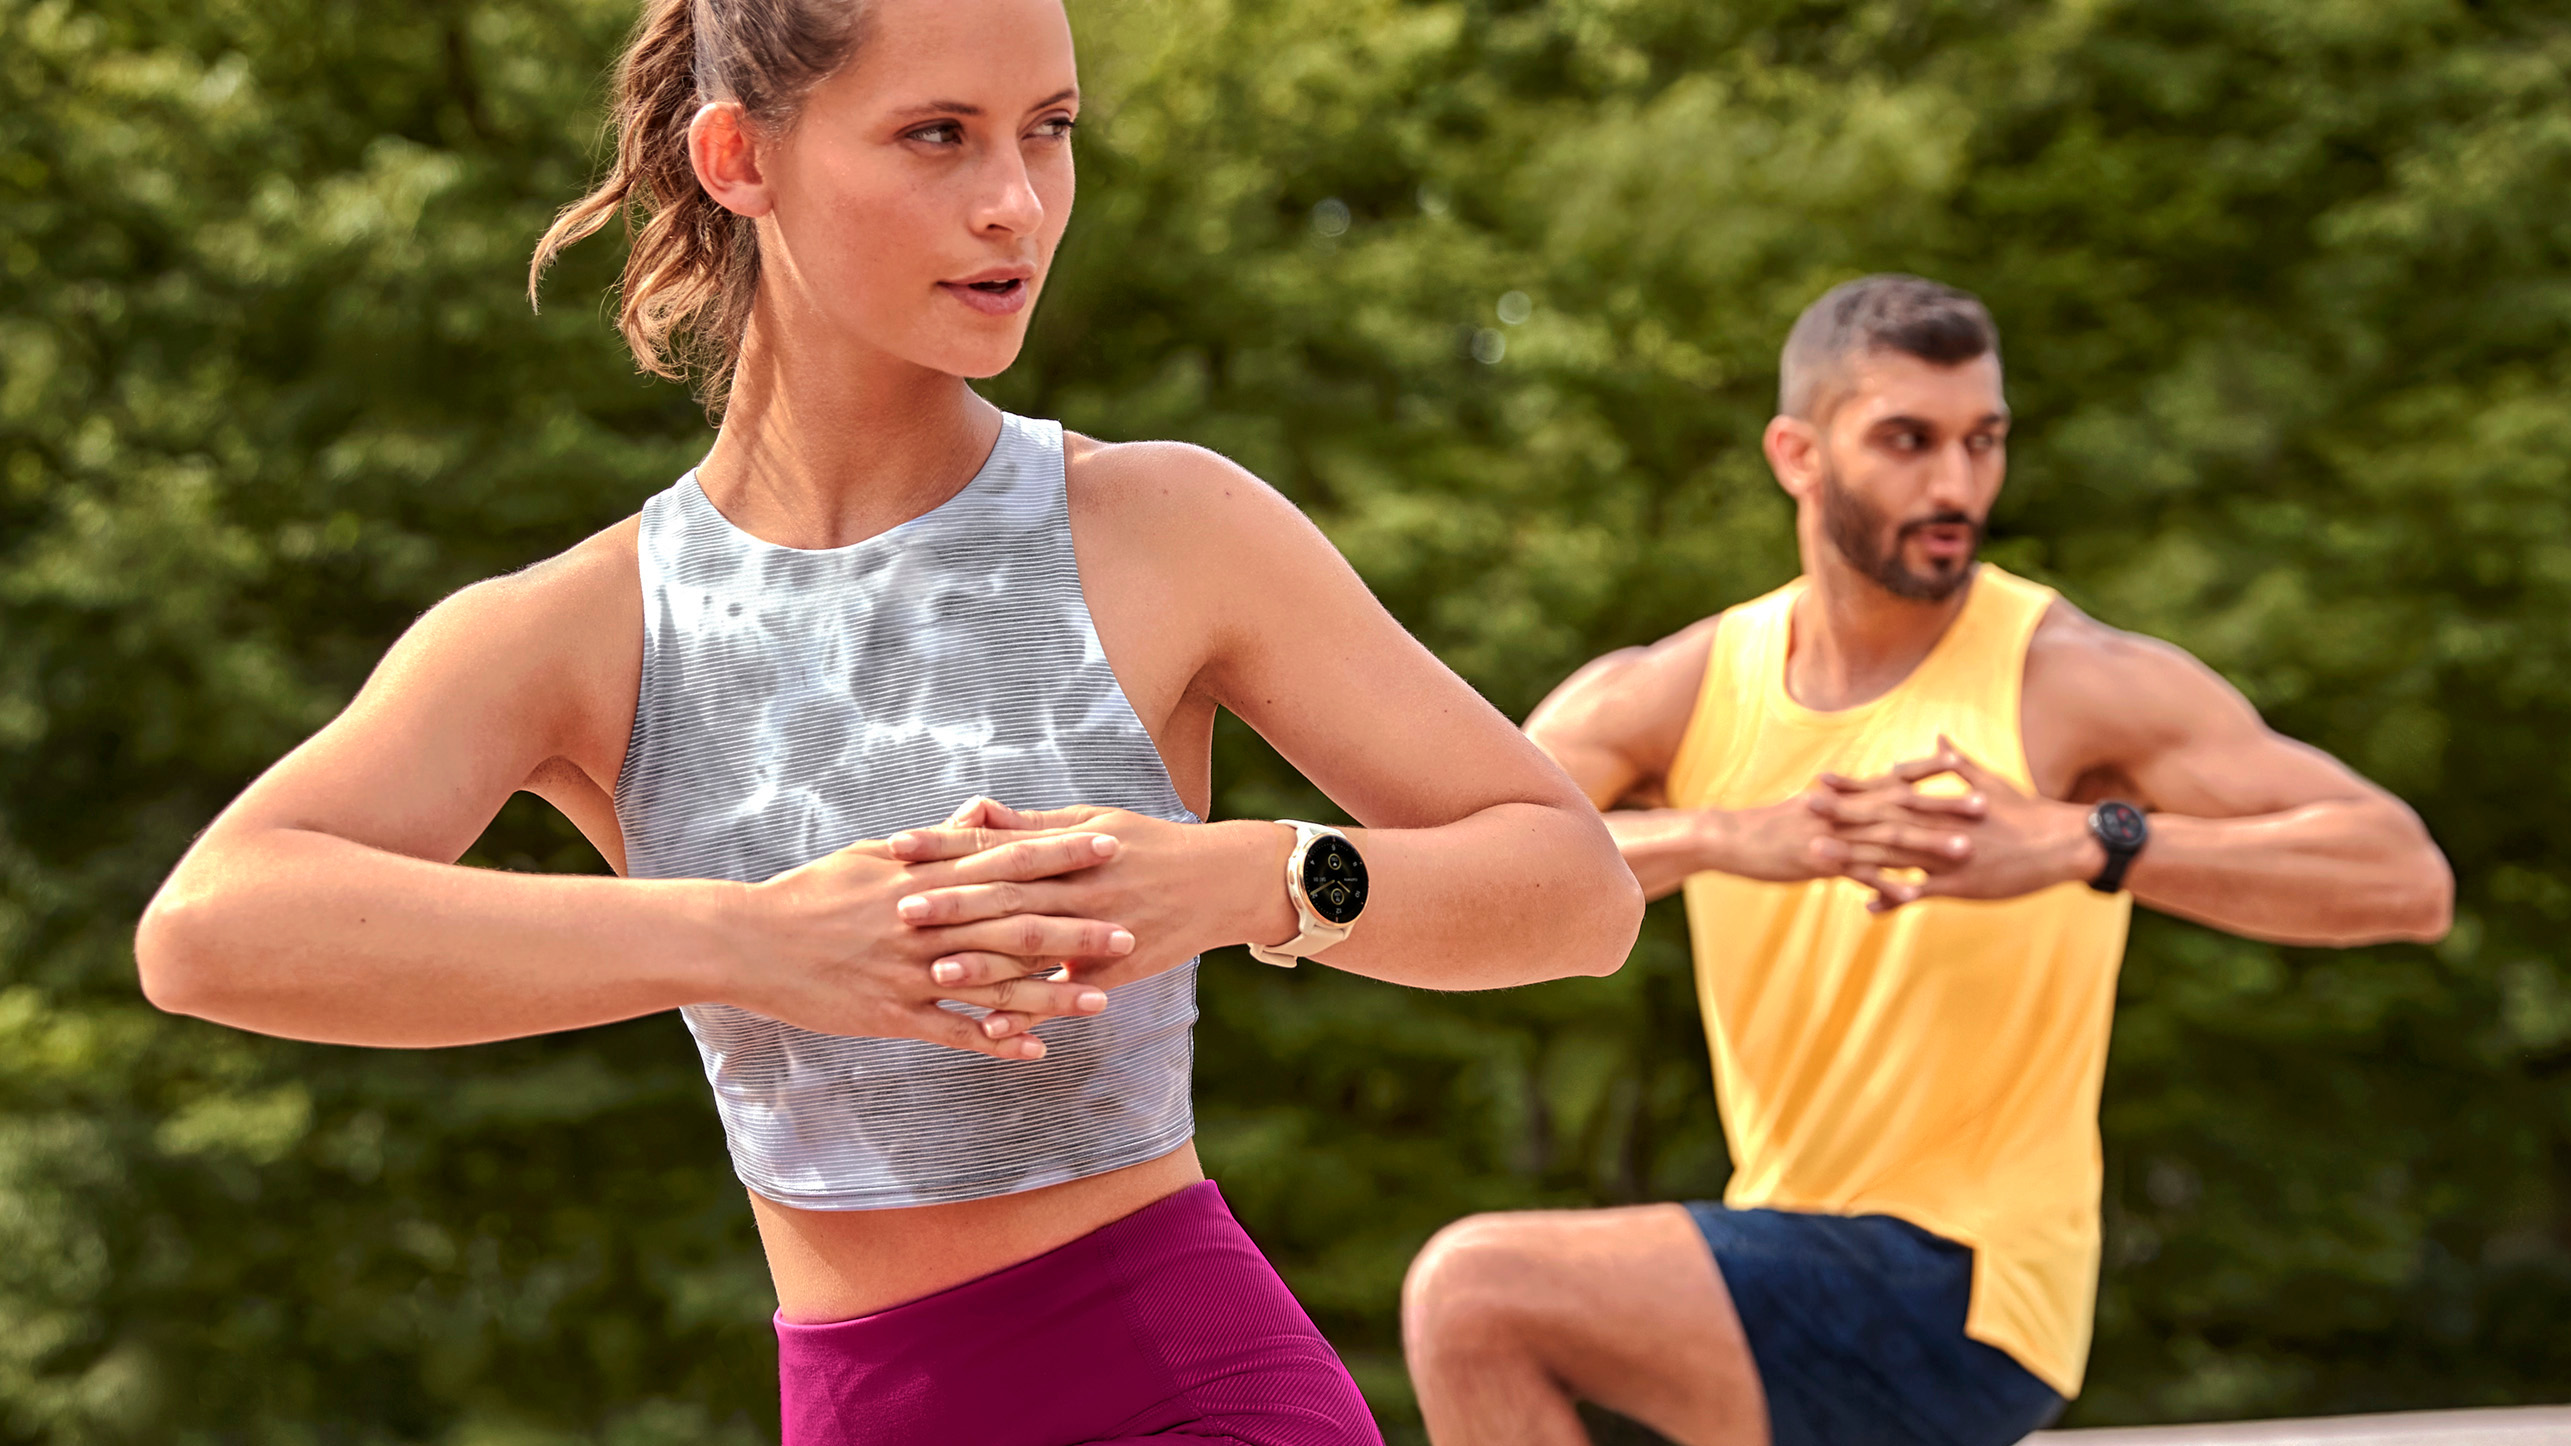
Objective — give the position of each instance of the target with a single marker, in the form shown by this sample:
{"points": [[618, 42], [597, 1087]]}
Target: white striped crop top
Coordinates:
{"points": [[795, 701]]}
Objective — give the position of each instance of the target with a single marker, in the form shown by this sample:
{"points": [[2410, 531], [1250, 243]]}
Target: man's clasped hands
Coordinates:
{"points": [[1986, 839]]}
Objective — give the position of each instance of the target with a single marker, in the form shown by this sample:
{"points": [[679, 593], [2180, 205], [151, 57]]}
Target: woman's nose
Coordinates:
{"points": [[1009, 202]]}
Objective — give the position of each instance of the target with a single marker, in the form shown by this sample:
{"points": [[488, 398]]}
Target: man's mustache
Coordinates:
{"points": [[1942, 519]]}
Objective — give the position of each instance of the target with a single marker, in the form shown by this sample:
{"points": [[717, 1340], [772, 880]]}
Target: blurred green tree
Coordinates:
{"points": [[1494, 289]]}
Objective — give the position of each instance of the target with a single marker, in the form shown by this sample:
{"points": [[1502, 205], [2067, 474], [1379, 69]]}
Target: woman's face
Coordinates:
{"points": [[915, 204]]}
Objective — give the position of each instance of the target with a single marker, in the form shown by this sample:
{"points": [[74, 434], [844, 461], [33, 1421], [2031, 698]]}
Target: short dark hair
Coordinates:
{"points": [[1890, 312]]}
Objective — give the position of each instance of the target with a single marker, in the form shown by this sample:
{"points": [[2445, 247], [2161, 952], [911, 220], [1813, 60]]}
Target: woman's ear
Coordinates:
{"points": [[726, 157]]}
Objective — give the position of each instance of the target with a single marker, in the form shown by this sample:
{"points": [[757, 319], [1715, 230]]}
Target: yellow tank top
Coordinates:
{"points": [[1940, 1063]]}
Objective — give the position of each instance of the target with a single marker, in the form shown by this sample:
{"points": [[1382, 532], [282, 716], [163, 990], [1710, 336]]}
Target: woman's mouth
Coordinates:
{"points": [[992, 296]]}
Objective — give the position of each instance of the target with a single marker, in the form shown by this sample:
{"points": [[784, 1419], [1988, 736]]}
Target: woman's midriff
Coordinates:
{"points": [[834, 1265]]}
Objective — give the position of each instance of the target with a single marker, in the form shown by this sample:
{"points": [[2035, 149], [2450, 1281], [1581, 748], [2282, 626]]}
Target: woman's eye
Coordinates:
{"points": [[1056, 127], [936, 133]]}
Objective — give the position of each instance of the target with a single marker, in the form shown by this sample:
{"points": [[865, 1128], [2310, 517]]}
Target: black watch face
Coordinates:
{"points": [[1334, 879], [2119, 825]]}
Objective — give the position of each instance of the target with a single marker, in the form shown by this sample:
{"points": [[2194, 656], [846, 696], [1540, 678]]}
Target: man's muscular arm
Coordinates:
{"points": [[1615, 727], [2251, 832]]}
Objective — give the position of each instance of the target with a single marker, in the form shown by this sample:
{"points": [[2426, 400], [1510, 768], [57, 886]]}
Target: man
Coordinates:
{"points": [[1910, 798]]}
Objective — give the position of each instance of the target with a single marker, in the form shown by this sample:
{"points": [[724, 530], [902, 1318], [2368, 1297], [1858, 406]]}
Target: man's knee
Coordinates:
{"points": [[1472, 1285]]}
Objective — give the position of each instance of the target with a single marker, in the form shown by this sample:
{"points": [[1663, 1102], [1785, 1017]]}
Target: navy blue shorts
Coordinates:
{"points": [[1857, 1326]]}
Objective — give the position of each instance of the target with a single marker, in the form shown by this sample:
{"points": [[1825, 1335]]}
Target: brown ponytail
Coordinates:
{"points": [[694, 266]]}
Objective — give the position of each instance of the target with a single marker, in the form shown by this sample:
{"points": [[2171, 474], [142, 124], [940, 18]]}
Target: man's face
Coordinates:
{"points": [[1905, 468]]}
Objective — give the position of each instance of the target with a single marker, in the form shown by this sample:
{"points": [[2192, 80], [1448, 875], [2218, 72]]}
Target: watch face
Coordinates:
{"points": [[2119, 825], [1334, 879]]}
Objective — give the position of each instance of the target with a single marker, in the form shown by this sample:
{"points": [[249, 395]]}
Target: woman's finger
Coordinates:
{"points": [[1035, 998], [1039, 857], [966, 904], [1034, 937], [973, 903], [1001, 815], [1044, 852], [955, 900], [973, 967], [946, 841], [975, 812], [963, 1031]]}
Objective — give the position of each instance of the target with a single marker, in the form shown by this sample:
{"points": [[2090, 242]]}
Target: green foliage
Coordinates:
{"points": [[2284, 286]]}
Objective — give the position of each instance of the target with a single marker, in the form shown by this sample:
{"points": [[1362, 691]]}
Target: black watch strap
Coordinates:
{"points": [[2122, 830]]}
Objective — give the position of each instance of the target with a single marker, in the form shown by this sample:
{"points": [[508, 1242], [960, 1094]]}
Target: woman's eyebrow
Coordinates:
{"points": [[959, 107]]}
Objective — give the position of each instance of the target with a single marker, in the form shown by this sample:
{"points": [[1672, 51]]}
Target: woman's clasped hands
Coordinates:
{"points": [[1028, 916], [1176, 889], [834, 954]]}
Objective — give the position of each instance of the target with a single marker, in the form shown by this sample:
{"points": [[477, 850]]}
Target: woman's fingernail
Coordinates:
{"points": [[1120, 942], [994, 1027], [1090, 1001], [903, 842], [1955, 845], [912, 909], [1033, 1049], [946, 971], [1102, 845]]}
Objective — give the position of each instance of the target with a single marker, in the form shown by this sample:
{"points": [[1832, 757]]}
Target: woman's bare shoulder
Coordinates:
{"points": [[589, 594], [556, 645], [1183, 494]]}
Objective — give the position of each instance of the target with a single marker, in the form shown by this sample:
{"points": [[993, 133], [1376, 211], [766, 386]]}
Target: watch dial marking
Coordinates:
{"points": [[1334, 880]]}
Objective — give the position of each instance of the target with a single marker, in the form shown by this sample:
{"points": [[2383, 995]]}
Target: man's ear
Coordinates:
{"points": [[1793, 446], [726, 157]]}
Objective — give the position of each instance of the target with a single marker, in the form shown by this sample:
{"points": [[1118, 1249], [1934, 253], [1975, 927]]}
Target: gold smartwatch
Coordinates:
{"points": [[1326, 881]]}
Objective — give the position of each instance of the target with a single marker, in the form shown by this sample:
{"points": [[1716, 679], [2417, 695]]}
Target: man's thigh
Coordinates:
{"points": [[1625, 1308]]}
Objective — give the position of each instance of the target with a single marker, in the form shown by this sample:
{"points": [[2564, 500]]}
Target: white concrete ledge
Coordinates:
{"points": [[2499, 1426]]}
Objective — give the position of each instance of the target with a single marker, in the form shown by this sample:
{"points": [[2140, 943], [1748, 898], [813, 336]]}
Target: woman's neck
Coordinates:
{"points": [[825, 446]]}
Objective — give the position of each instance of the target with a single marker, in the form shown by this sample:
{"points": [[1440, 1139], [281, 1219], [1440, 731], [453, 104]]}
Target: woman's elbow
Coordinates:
{"points": [[2432, 904], [174, 955], [1614, 918]]}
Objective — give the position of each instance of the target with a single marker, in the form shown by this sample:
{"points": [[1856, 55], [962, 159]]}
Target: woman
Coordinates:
{"points": [[878, 595]]}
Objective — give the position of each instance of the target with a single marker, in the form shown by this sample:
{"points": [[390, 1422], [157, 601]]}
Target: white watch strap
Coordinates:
{"points": [[1314, 938], [1315, 932]]}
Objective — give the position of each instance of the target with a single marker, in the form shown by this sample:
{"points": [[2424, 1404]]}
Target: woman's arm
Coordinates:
{"points": [[325, 903], [1487, 868]]}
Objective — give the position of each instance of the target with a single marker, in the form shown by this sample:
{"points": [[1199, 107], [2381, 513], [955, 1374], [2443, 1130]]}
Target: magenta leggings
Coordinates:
{"points": [[1167, 1325]]}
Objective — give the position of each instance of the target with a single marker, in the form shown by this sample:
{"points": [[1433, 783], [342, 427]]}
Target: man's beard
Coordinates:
{"points": [[1857, 528]]}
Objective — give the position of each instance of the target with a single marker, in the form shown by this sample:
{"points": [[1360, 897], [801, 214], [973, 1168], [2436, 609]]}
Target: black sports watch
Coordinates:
{"points": [[2121, 829]]}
